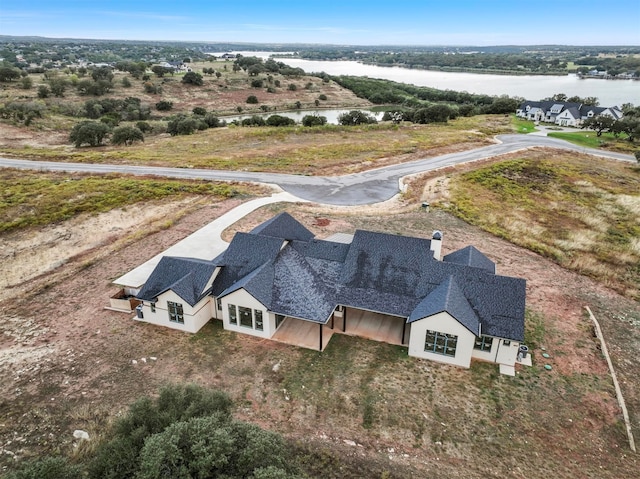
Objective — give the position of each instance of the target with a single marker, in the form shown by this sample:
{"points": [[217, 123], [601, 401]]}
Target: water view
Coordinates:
{"points": [[531, 87]]}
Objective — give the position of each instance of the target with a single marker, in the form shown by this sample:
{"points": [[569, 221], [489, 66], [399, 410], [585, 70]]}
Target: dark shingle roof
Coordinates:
{"points": [[186, 277], [448, 297], [283, 226], [471, 256], [245, 253], [385, 262]]}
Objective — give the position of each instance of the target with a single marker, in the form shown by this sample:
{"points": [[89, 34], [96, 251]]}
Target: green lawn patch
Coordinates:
{"points": [[523, 126], [589, 139]]}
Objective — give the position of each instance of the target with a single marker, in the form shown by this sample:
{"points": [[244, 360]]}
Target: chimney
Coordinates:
{"points": [[436, 244]]}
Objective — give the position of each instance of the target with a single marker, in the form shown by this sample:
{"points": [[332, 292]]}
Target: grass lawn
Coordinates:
{"points": [[523, 126], [589, 139]]}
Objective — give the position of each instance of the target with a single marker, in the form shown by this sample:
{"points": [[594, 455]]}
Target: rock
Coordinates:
{"points": [[144, 360], [80, 434], [153, 358], [349, 442], [276, 367], [133, 361]]}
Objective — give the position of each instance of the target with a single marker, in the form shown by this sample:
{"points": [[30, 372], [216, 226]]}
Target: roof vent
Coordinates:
{"points": [[437, 235]]}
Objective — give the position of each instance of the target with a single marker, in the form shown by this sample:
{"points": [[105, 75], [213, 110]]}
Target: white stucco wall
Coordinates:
{"points": [[194, 317], [243, 298], [442, 323], [500, 352]]}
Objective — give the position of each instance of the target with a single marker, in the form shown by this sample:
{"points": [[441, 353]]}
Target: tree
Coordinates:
{"points": [[161, 71], [257, 83], [252, 99], [314, 120], [90, 132], [102, 73], [600, 123], [356, 117], [279, 120], [9, 74], [193, 78], [126, 135], [438, 113]]}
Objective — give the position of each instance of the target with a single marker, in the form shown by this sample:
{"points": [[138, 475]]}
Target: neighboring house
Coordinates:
{"points": [[564, 113], [280, 277]]}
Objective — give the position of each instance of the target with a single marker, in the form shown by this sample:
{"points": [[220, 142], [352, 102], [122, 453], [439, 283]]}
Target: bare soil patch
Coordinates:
{"points": [[365, 402]]}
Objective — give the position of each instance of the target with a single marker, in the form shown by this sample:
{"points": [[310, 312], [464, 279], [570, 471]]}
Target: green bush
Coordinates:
{"points": [[47, 468], [126, 135], [279, 120], [164, 105], [252, 99], [314, 120]]}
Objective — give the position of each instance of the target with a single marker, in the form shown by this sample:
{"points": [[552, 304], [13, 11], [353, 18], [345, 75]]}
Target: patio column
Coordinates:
{"points": [[320, 336], [404, 327], [344, 319], [333, 317]]}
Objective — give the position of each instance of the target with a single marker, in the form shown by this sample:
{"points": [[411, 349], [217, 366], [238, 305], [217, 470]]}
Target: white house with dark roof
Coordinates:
{"points": [[280, 278], [564, 113]]}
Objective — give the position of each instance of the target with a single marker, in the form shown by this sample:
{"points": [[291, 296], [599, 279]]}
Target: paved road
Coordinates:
{"points": [[356, 189]]}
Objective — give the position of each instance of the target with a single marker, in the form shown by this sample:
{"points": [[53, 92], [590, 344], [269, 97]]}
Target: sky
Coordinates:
{"points": [[338, 22]]}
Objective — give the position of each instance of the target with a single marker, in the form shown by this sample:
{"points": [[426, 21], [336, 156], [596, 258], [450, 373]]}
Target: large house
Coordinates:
{"points": [[279, 282], [564, 113]]}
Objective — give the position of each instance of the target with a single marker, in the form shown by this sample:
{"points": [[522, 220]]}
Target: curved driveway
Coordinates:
{"points": [[368, 187]]}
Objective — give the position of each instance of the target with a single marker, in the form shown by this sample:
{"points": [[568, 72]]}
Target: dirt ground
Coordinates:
{"points": [[67, 363]]}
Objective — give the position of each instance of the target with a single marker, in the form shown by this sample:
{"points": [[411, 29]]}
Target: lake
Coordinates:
{"points": [[531, 87]]}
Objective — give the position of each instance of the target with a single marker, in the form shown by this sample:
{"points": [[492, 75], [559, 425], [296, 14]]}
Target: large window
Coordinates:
{"points": [[175, 312], [233, 314], [441, 343], [246, 319], [483, 343], [219, 304]]}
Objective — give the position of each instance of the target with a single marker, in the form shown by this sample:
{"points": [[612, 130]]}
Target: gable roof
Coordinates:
{"points": [[283, 226], [245, 253], [448, 297], [471, 256], [187, 277], [386, 262]]}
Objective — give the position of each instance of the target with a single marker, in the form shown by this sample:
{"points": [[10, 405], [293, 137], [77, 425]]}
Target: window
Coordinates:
{"points": [[246, 319], [219, 304], [153, 307], [175, 312], [441, 343], [233, 314], [258, 316], [279, 319], [506, 342], [483, 343]]}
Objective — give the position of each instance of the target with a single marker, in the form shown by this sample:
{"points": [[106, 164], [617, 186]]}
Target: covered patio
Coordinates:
{"points": [[370, 325], [305, 334]]}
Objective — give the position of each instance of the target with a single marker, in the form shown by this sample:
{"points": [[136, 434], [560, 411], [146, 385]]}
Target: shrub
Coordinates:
{"points": [[47, 468], [143, 126], [322, 97], [356, 117], [255, 120], [164, 105], [91, 132], [152, 88], [256, 83], [43, 91], [314, 120], [126, 135], [292, 87], [252, 99], [126, 82], [199, 111], [279, 120], [213, 121], [26, 83], [193, 78]]}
